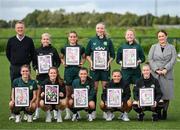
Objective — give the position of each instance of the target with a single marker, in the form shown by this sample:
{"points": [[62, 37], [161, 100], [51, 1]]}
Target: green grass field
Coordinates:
{"points": [[173, 121]]}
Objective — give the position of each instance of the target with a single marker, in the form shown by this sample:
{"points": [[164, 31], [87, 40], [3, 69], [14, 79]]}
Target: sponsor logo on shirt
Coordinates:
{"points": [[31, 87], [87, 86], [100, 48], [152, 86]]}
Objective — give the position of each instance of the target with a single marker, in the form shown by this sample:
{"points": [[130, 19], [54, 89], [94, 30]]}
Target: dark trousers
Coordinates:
{"points": [[75, 110], [17, 110], [14, 72]]}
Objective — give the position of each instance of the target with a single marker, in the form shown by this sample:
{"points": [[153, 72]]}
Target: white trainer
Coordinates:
{"points": [[18, 118], [120, 116], [104, 115], [36, 115], [59, 117], [29, 118], [68, 114], [78, 115], [25, 117], [90, 117], [74, 117], [125, 117], [93, 115], [110, 116], [48, 116], [55, 114], [12, 117]]}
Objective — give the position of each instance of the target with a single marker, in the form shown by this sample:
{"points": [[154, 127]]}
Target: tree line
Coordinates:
{"points": [[60, 18]]}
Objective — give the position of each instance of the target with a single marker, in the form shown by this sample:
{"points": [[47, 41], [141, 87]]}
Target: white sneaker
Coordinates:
{"points": [[74, 117], [48, 116], [104, 115], [125, 117], [35, 117], [25, 117], [18, 118], [78, 115], [68, 114], [93, 115], [110, 116], [90, 117], [120, 116], [12, 117], [55, 114], [29, 118], [59, 118]]}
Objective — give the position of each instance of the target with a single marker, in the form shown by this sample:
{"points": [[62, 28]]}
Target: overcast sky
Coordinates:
{"points": [[18, 9]]}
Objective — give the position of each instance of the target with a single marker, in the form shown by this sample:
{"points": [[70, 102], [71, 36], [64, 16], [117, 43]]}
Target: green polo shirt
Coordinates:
{"points": [[31, 84], [89, 84]]}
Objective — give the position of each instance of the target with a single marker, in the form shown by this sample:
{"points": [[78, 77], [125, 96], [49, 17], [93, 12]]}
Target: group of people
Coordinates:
{"points": [[156, 74]]}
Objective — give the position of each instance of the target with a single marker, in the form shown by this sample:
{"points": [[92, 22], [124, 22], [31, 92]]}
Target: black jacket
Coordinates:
{"points": [[148, 83], [61, 87], [126, 93], [49, 50]]}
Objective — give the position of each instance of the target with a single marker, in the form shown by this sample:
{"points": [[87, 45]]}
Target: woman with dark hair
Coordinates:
{"points": [[71, 71], [54, 79], [162, 57]]}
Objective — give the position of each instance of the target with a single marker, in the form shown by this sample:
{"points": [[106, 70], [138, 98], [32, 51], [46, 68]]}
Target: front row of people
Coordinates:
{"points": [[84, 81]]}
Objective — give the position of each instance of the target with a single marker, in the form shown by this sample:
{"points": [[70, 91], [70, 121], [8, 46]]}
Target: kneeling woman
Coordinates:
{"points": [[147, 81], [54, 79], [24, 81], [83, 82], [117, 82]]}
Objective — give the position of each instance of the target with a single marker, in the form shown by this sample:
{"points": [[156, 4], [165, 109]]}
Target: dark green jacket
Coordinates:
{"points": [[97, 44], [140, 56], [148, 83], [31, 84], [126, 93], [89, 84], [82, 51]]}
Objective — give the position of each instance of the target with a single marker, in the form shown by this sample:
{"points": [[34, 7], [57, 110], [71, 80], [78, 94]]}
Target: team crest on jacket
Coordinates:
{"points": [[105, 43], [94, 43], [31, 87], [87, 86], [152, 86]]}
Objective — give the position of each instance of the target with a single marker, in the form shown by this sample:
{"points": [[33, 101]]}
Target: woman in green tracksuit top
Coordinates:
{"points": [[100, 43], [131, 74], [24, 81], [83, 82], [71, 71]]}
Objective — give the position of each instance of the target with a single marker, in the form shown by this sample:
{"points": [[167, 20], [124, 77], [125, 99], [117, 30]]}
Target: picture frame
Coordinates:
{"points": [[146, 97], [81, 98], [114, 97], [51, 94], [100, 60], [72, 56], [44, 63], [21, 96], [129, 58]]}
